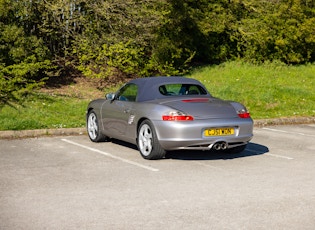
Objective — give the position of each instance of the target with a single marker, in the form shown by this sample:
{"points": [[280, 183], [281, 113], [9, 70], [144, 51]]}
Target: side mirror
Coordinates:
{"points": [[110, 96]]}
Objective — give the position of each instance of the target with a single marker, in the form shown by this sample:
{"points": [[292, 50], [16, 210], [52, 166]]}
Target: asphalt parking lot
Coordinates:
{"points": [[68, 182]]}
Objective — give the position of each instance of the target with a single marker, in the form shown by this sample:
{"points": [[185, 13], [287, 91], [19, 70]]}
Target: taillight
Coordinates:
{"points": [[177, 116], [243, 114]]}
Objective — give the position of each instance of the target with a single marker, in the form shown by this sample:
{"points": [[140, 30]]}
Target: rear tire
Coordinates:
{"points": [[148, 142], [93, 128]]}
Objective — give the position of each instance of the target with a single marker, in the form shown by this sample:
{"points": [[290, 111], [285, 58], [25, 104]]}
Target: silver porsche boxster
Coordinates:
{"points": [[159, 114]]}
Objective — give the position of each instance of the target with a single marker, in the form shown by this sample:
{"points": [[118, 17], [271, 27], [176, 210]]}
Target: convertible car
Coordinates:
{"points": [[160, 114]]}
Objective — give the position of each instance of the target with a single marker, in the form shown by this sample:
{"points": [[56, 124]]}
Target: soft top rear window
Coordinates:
{"points": [[181, 89]]}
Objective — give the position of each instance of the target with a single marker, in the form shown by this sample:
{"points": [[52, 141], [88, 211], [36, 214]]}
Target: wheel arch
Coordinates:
{"points": [[138, 125], [88, 111]]}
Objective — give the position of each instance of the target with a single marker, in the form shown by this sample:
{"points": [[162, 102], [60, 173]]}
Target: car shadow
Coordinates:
{"points": [[125, 144], [252, 149]]}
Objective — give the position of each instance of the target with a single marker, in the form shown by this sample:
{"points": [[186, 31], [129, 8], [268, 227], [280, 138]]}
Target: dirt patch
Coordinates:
{"points": [[72, 83], [81, 87]]}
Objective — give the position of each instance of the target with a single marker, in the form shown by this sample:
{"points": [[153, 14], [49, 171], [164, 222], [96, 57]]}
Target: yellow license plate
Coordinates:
{"points": [[219, 132]]}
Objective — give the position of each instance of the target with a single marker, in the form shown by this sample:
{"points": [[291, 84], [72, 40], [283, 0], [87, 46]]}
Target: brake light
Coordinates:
{"points": [[196, 100], [244, 114]]}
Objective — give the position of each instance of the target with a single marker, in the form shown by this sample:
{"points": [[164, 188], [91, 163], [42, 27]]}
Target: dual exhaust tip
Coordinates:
{"points": [[222, 145]]}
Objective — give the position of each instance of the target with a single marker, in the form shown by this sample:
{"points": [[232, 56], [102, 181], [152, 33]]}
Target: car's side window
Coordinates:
{"points": [[128, 93]]}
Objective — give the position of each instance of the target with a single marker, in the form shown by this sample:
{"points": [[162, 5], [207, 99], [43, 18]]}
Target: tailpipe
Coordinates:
{"points": [[222, 145], [217, 146]]}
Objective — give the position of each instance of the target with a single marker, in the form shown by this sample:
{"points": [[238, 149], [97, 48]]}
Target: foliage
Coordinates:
{"points": [[16, 80], [107, 60], [22, 57], [167, 37], [277, 31], [172, 35], [119, 38]]}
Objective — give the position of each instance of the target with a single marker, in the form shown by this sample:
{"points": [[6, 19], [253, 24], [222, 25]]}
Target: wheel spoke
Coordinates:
{"points": [[92, 126], [145, 140]]}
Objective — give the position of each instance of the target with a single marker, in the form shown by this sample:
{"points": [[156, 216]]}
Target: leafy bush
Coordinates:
{"points": [[277, 31], [23, 61], [108, 60], [120, 38]]}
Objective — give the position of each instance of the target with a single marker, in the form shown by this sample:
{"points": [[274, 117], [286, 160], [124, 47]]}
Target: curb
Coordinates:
{"points": [[15, 134], [284, 121]]}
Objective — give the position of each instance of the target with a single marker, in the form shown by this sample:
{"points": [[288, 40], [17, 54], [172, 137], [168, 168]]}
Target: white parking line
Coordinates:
{"points": [[112, 156], [209, 166], [270, 154], [279, 156], [282, 131]]}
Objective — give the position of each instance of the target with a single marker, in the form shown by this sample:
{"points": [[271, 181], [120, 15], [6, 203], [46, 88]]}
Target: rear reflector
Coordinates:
{"points": [[177, 118]]}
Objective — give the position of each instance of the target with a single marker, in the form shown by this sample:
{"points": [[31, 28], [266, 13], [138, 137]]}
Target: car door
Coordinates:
{"points": [[119, 112]]}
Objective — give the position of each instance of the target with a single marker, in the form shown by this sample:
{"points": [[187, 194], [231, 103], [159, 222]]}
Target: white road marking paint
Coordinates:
{"points": [[282, 131], [209, 166], [112, 156], [279, 156], [270, 154]]}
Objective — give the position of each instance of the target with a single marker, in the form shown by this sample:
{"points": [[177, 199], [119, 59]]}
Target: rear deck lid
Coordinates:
{"points": [[203, 108]]}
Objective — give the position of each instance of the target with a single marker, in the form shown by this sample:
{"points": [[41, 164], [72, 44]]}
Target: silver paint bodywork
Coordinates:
{"points": [[120, 119]]}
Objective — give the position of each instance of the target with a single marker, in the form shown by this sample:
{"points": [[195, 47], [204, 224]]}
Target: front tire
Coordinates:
{"points": [[148, 142], [93, 128]]}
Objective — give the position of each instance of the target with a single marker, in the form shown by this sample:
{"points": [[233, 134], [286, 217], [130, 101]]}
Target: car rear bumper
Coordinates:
{"points": [[175, 135]]}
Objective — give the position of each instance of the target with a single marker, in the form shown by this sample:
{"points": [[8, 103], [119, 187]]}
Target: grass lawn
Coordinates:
{"points": [[44, 111], [269, 91]]}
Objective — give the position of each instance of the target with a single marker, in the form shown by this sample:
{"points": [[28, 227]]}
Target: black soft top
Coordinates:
{"points": [[148, 88]]}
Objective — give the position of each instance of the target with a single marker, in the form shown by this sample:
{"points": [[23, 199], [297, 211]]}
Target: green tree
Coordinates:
{"points": [[277, 30], [116, 38], [23, 57]]}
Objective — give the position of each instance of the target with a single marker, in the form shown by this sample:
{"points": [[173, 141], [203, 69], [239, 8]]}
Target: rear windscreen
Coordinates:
{"points": [[181, 89]]}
